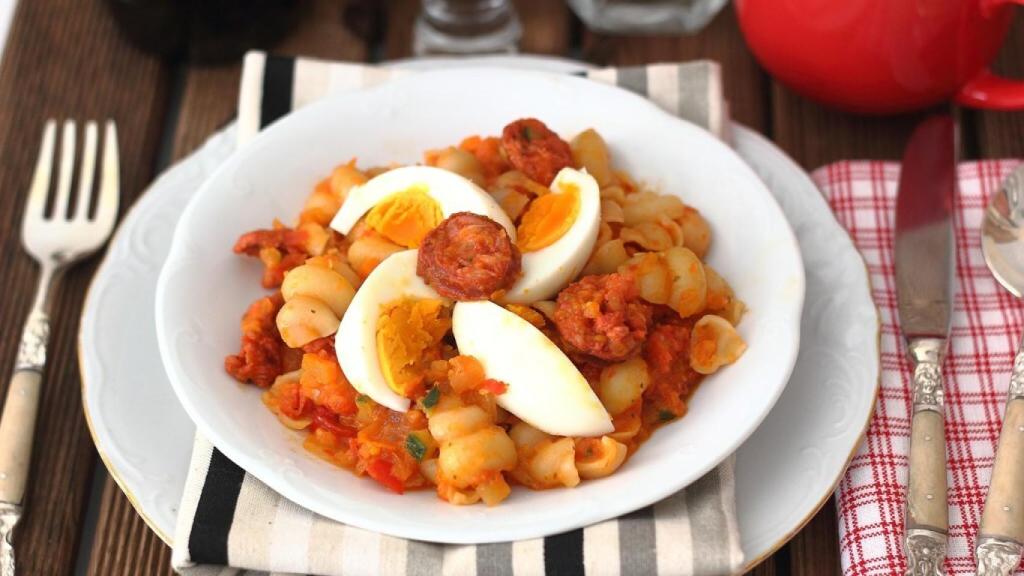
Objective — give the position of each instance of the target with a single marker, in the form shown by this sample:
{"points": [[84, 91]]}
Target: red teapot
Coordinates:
{"points": [[884, 56]]}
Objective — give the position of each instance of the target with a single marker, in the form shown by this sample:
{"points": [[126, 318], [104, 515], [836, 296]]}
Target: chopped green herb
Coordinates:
{"points": [[666, 415], [527, 134], [362, 398], [415, 446], [430, 400]]}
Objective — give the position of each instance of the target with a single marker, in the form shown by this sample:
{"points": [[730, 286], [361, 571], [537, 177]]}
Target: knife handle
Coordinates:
{"points": [[927, 513], [1001, 532]]}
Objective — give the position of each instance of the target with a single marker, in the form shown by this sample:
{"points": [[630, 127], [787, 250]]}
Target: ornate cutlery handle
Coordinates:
{"points": [[17, 424], [1001, 533], [9, 516], [927, 512]]}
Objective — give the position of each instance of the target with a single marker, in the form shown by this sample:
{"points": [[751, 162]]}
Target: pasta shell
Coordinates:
{"points": [[653, 276], [689, 284], [622, 384], [714, 343], [696, 231], [650, 207], [607, 258], [648, 236], [611, 211], [615, 193], [589, 151], [599, 458]]}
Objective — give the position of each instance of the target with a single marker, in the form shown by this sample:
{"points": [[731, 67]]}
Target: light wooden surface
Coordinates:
{"points": [[65, 58]]}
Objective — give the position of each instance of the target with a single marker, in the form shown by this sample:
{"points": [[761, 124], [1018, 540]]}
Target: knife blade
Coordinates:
{"points": [[925, 264]]}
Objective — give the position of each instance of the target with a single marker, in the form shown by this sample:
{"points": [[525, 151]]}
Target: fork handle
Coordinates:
{"points": [[1001, 533], [16, 431], [17, 423]]}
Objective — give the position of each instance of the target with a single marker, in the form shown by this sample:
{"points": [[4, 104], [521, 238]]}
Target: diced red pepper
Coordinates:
{"points": [[291, 402], [325, 419], [380, 470], [496, 387]]}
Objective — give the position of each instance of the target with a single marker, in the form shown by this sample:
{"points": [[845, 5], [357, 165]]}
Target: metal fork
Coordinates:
{"points": [[55, 238]]}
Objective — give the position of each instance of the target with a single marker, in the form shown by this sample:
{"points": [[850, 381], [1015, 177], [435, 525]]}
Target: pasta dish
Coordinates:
{"points": [[512, 311]]}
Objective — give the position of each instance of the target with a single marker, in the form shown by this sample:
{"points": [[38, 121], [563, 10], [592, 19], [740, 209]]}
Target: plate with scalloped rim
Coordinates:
{"points": [[133, 415], [202, 285]]}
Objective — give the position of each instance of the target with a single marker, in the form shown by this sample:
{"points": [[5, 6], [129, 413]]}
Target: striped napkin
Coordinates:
{"points": [[231, 523]]}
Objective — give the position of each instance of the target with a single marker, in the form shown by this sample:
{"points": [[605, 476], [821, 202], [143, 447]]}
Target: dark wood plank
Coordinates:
{"points": [[210, 96], [745, 84], [209, 101], [123, 545], [815, 549], [322, 33], [546, 27], [816, 135], [400, 16], [1001, 134], [64, 59]]}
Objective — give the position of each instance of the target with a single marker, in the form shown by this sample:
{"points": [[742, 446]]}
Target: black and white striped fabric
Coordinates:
{"points": [[230, 523]]}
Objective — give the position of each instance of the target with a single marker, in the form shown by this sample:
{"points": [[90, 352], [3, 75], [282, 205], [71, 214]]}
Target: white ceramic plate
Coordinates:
{"points": [[203, 289], [784, 473]]}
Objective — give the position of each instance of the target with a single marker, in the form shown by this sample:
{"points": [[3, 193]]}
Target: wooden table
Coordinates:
{"points": [[65, 58]]}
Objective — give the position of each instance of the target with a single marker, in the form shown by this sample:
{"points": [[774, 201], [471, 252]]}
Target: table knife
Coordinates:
{"points": [[925, 264]]}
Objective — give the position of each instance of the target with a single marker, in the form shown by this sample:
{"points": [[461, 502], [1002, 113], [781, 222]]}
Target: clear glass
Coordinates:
{"points": [[467, 27], [647, 16]]}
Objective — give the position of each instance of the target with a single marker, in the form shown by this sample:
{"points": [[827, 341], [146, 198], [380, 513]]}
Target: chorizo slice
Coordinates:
{"points": [[603, 316], [468, 257], [535, 150]]}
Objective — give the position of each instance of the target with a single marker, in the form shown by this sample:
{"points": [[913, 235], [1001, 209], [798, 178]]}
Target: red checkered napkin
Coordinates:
{"points": [[987, 324]]}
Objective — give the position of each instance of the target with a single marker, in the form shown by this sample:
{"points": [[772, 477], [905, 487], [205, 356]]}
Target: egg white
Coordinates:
{"points": [[356, 341], [452, 192], [545, 389], [548, 270]]}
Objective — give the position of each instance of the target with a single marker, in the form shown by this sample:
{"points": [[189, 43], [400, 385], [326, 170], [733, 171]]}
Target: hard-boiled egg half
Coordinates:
{"points": [[556, 236], [390, 332], [545, 389], [394, 325], [405, 204]]}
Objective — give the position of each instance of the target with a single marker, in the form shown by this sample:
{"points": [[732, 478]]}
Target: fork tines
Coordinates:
{"points": [[66, 228], [97, 204]]}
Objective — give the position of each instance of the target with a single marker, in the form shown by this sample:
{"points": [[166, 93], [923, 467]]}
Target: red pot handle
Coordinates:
{"points": [[987, 90]]}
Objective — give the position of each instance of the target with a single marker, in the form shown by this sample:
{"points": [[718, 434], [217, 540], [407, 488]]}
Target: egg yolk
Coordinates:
{"points": [[548, 218], [406, 217], [409, 334]]}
